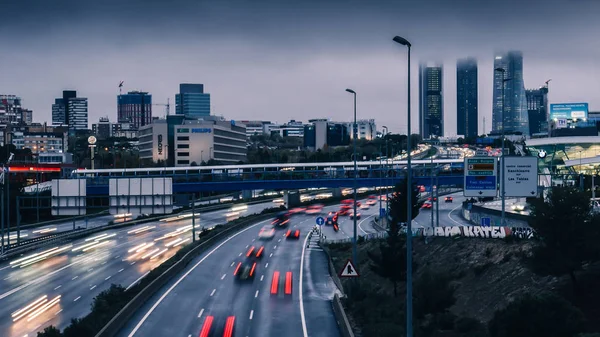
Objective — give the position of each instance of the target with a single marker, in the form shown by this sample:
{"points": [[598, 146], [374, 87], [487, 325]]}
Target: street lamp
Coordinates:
{"points": [[201, 156], [502, 187], [387, 178], [409, 286], [354, 135]]}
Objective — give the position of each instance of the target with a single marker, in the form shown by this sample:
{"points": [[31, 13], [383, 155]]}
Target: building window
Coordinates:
{"points": [[183, 146], [183, 138], [183, 162], [183, 154]]}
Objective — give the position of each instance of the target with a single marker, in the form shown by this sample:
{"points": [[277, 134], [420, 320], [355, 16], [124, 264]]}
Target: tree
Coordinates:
{"points": [[568, 230], [434, 293], [49, 331], [546, 315], [390, 263]]}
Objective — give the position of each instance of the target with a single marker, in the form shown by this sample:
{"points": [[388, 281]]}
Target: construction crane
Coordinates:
{"points": [[167, 106]]}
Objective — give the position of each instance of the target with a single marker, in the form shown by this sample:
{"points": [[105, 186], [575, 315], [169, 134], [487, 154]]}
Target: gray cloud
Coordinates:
{"points": [[278, 60]]}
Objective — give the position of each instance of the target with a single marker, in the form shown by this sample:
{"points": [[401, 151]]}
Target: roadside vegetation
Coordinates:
{"points": [[470, 287]]}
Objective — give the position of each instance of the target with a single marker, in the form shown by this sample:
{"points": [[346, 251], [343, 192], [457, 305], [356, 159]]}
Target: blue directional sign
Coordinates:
{"points": [[486, 222], [480, 177], [320, 221], [381, 212]]}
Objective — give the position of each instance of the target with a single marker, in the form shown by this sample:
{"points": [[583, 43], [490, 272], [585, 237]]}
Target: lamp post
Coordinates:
{"points": [[210, 153], [201, 156], [380, 182], [431, 191], [409, 286], [502, 187], [354, 135], [387, 178]]}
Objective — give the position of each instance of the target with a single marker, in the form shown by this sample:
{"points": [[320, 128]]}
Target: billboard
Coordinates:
{"points": [[569, 111]]}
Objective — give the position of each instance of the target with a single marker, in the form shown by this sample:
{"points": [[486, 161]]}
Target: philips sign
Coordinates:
{"points": [[202, 130]]}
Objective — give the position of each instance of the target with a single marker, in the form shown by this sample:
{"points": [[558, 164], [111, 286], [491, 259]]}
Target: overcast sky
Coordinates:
{"points": [[279, 60]]}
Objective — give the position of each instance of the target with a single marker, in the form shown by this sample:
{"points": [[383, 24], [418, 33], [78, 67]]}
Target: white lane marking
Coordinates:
{"points": [[6, 278], [132, 263], [266, 265], [89, 270], [75, 300], [280, 240], [262, 277], [222, 277], [450, 213], [256, 295], [58, 312], [92, 288], [251, 314], [200, 313], [136, 281], [58, 287], [302, 318], [271, 255], [275, 247], [5, 267], [213, 292], [121, 270], [232, 263], [240, 254], [106, 279], [118, 256], [157, 303], [74, 278], [247, 246], [360, 223], [253, 240]]}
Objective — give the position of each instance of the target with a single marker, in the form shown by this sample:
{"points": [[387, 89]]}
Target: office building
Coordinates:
{"points": [[466, 98], [135, 108], [293, 128], [40, 142], [320, 133], [516, 119], [367, 129], [537, 111], [192, 101], [70, 111], [12, 113], [193, 141], [431, 102]]}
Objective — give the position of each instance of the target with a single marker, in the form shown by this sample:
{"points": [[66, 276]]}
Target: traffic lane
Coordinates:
{"points": [[79, 286], [33, 233], [276, 311], [318, 292], [174, 310]]}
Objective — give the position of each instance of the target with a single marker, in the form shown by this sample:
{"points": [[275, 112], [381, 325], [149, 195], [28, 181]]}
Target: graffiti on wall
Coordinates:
{"points": [[493, 232]]}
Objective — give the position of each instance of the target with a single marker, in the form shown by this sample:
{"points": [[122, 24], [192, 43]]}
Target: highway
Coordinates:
{"points": [[207, 292], [80, 270]]}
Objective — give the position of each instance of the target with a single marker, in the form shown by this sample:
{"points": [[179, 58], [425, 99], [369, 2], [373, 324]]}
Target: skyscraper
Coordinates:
{"points": [[192, 101], [537, 110], [431, 103], [515, 101], [71, 111], [135, 107], [466, 97]]}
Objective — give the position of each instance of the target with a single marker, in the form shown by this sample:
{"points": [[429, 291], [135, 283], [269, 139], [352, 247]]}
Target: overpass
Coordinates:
{"points": [[449, 172]]}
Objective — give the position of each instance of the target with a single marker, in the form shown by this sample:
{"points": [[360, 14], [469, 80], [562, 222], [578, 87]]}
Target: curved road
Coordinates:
{"points": [[207, 293], [78, 276]]}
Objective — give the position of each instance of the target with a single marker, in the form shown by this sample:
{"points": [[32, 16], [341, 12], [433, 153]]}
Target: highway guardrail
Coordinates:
{"points": [[340, 316], [113, 327], [331, 268]]}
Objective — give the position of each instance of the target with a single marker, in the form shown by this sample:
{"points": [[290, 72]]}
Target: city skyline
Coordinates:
{"points": [[255, 73]]}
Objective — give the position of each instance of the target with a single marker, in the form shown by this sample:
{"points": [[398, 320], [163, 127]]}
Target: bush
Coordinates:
{"points": [[480, 268], [433, 293], [546, 315], [49, 331]]}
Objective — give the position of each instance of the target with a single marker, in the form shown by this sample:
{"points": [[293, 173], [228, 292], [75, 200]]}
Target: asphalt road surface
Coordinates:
{"points": [[80, 270], [208, 294]]}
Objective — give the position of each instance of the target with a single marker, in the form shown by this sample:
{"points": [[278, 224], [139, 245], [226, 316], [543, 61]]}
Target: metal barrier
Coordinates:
{"points": [[340, 316]]}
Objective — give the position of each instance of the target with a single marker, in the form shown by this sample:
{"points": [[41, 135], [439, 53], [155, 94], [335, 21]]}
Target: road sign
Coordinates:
{"points": [[521, 176], [381, 212], [486, 222], [349, 270], [320, 221], [480, 177]]}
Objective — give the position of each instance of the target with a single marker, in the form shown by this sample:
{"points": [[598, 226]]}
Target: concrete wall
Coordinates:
{"points": [[474, 215]]}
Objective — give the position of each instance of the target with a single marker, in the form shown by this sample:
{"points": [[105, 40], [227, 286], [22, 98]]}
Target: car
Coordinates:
{"points": [[212, 327], [296, 210], [427, 205], [371, 202], [314, 209], [352, 215], [347, 201], [448, 199], [245, 271], [434, 199], [364, 206], [292, 234], [266, 233], [281, 220], [331, 220], [372, 196], [255, 252], [519, 207]]}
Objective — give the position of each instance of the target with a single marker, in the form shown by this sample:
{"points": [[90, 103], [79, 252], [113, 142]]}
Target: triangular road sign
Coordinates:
{"points": [[349, 270]]}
